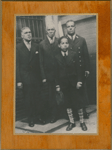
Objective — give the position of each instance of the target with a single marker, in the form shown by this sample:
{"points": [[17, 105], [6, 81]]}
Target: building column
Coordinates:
{"points": [[55, 20]]}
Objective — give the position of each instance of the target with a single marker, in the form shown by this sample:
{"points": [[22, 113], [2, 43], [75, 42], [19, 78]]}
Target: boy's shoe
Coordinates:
{"points": [[70, 126], [31, 124], [83, 126]]}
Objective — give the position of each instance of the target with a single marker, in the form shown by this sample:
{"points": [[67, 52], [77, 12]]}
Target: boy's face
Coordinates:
{"points": [[64, 44]]}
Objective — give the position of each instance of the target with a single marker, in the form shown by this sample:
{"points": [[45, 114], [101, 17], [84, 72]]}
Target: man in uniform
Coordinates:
{"points": [[28, 75], [78, 45], [48, 49]]}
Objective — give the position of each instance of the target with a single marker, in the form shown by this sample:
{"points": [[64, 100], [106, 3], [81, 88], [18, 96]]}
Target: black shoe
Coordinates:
{"points": [[86, 115], [70, 126], [83, 126], [31, 124], [42, 121], [53, 119]]}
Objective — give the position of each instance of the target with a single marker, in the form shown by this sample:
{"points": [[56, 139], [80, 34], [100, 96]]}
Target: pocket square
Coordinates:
{"points": [[36, 52]]}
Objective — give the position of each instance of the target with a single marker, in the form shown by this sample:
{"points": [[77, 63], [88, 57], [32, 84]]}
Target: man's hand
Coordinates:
{"points": [[44, 80], [58, 89], [87, 74], [79, 84], [20, 85]]}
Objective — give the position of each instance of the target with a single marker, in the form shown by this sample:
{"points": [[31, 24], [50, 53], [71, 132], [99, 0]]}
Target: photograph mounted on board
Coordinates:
{"points": [[56, 74]]}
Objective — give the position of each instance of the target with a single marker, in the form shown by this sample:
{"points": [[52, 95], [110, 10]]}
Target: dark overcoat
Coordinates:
{"points": [[79, 46], [27, 64], [28, 72], [47, 59], [68, 70]]}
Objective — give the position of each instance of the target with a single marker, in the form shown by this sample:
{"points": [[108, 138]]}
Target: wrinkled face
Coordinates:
{"points": [[50, 31], [64, 44], [70, 28], [26, 34]]}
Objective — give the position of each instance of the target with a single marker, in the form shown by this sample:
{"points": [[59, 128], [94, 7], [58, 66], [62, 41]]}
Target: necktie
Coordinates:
{"points": [[65, 54], [72, 38], [29, 46], [52, 41]]}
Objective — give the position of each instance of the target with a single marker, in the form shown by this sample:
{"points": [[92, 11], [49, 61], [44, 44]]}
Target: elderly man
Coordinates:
{"points": [[48, 51], [28, 75], [78, 45]]}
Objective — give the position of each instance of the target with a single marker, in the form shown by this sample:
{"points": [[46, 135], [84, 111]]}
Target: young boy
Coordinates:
{"points": [[68, 76]]}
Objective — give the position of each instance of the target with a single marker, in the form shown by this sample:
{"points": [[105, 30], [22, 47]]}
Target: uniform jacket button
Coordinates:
{"points": [[78, 47]]}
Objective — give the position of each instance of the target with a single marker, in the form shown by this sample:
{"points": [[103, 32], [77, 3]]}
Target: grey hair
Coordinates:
{"points": [[24, 29]]}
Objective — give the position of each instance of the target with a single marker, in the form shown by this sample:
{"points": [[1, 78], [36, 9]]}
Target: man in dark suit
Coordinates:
{"points": [[28, 75], [79, 46], [69, 77], [48, 51]]}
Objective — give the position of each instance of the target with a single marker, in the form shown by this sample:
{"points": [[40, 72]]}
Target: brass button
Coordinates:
{"points": [[79, 51], [78, 47], [80, 65], [79, 56], [80, 60]]}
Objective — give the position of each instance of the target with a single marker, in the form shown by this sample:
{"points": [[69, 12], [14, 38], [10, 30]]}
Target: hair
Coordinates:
{"points": [[63, 37], [24, 28], [70, 21], [50, 24]]}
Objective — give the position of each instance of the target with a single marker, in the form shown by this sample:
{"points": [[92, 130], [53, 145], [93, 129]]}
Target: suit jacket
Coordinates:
{"points": [[79, 46], [47, 59], [27, 64], [68, 71]]}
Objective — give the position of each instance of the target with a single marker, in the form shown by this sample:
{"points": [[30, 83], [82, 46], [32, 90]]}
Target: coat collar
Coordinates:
{"points": [[32, 50], [62, 59], [76, 40], [47, 41]]}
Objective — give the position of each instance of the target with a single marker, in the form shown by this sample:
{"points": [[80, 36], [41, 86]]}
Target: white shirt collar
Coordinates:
{"points": [[51, 40], [73, 36], [63, 53], [28, 45]]}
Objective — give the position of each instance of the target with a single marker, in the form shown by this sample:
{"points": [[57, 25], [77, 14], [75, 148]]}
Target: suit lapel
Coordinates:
{"points": [[76, 40], [49, 46], [61, 58], [32, 51], [69, 57], [25, 50], [47, 43]]}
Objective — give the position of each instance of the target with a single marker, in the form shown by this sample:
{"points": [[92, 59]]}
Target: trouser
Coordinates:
{"points": [[83, 92], [52, 98], [33, 103], [73, 100]]}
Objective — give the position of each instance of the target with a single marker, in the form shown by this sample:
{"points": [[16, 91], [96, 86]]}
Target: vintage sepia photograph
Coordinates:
{"points": [[56, 74]]}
